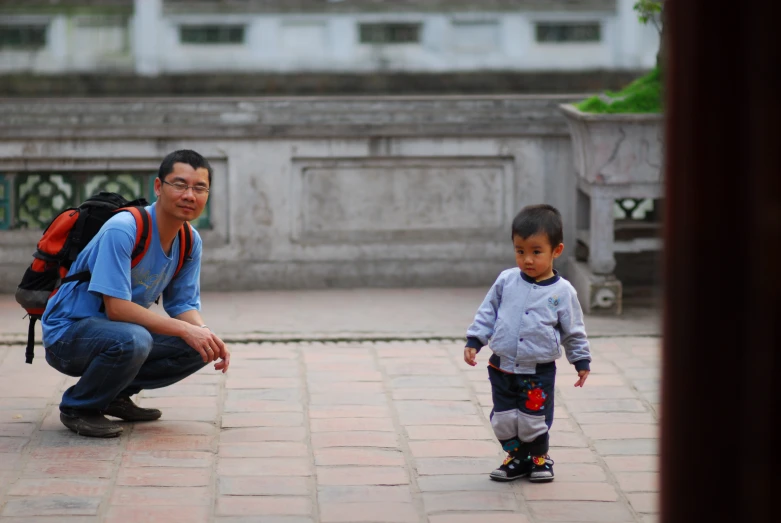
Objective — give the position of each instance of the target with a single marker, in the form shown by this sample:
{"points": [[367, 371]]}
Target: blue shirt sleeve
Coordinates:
{"points": [[184, 292]]}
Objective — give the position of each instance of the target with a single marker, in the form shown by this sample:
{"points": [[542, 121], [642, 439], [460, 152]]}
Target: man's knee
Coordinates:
{"points": [[135, 344]]}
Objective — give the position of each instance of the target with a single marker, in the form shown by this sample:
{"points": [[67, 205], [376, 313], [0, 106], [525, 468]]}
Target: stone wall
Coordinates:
{"points": [[321, 192]]}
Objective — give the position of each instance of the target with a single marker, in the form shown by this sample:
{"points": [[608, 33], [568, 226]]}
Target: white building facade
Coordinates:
{"points": [[154, 37]]}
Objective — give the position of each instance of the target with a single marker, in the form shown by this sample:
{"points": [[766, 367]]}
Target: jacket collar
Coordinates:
{"points": [[550, 281]]}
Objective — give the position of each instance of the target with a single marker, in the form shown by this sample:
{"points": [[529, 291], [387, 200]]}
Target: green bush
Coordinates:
{"points": [[644, 95]]}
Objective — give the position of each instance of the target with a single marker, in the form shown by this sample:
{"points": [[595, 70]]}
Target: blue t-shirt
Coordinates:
{"points": [[107, 257]]}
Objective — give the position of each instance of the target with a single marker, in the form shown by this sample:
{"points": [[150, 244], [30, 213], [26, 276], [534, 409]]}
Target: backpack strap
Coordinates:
{"points": [[143, 240], [185, 245]]}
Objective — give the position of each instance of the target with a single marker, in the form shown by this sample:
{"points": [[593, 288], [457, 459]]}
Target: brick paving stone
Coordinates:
{"points": [[9, 460], [23, 430], [415, 368], [479, 517], [263, 486], [364, 494], [83, 453], [568, 439], [340, 476], [52, 506], [262, 406], [275, 394], [167, 458], [479, 500], [621, 431], [638, 481], [573, 455], [263, 506], [355, 387], [466, 482], [454, 448], [354, 439], [8, 405], [207, 414], [351, 424], [52, 519], [455, 432], [589, 418], [264, 449], [567, 472], [634, 463], [444, 466], [153, 496], [574, 491], [67, 468], [615, 405], [163, 477], [262, 419], [177, 402], [594, 393], [152, 442], [42, 487], [264, 467], [263, 434], [348, 411], [177, 428], [266, 383], [605, 380], [183, 390], [12, 445], [416, 352], [354, 375], [608, 447], [644, 502], [451, 394], [358, 456], [347, 398], [423, 382], [158, 514], [580, 511], [362, 512], [21, 416]]}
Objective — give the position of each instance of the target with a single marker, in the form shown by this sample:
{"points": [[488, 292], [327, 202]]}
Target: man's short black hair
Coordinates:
{"points": [[191, 158], [538, 219]]}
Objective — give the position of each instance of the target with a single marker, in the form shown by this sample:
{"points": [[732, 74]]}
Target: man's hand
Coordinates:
{"points": [[582, 374], [208, 345], [469, 356]]}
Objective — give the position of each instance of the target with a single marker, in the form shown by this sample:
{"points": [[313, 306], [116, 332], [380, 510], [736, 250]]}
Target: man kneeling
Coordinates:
{"points": [[101, 329]]}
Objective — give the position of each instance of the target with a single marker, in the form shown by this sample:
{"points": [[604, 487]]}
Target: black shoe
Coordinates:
{"points": [[124, 408], [514, 467], [90, 423], [542, 469]]}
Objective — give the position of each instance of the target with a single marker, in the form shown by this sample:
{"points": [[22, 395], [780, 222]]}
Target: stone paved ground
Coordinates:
{"points": [[334, 432]]}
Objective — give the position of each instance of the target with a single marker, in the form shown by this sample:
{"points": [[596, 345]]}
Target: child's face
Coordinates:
{"points": [[534, 255]]}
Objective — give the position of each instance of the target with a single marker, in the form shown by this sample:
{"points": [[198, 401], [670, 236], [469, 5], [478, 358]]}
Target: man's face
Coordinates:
{"points": [[178, 194]]}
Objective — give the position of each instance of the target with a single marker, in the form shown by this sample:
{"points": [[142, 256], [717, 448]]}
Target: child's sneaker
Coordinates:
{"points": [[541, 469], [514, 467]]}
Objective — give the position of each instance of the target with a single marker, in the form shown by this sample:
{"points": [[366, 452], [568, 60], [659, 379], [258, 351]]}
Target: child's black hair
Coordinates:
{"points": [[537, 219]]}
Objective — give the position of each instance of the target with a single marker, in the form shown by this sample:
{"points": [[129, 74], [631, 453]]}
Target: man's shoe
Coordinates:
{"points": [[90, 423], [514, 467], [542, 469], [124, 408]]}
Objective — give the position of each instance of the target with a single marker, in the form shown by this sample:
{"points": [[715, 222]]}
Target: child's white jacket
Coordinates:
{"points": [[526, 322]]}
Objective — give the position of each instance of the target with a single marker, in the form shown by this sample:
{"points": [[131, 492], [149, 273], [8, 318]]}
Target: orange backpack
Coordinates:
{"points": [[65, 237]]}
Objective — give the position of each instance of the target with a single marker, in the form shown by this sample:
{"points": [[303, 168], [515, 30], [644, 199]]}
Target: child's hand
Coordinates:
{"points": [[469, 356], [582, 374]]}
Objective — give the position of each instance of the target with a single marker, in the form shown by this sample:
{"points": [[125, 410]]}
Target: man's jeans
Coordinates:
{"points": [[117, 359]]}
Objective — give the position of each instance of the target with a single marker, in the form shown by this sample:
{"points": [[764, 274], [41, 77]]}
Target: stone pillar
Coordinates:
{"points": [[146, 36], [601, 259]]}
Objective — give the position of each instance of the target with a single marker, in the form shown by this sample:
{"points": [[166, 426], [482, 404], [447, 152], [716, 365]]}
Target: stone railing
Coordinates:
{"points": [[319, 192]]}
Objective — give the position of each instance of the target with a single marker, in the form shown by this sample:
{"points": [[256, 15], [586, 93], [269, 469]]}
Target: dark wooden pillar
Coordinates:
{"points": [[721, 376]]}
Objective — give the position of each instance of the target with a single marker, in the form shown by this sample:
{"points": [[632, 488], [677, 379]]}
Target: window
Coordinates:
{"points": [[211, 34], [389, 33], [23, 37], [39, 196], [549, 32]]}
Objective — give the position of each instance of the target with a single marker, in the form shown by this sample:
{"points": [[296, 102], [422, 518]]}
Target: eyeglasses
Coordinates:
{"points": [[180, 187]]}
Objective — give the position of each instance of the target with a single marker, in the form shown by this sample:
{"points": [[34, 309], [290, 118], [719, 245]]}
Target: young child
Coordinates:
{"points": [[528, 313]]}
